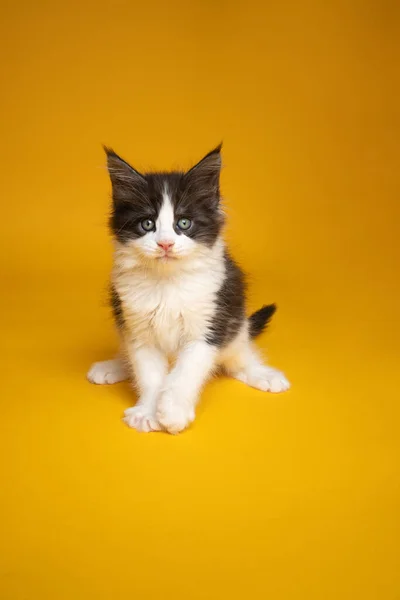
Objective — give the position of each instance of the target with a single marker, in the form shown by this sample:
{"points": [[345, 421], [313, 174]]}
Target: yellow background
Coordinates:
{"points": [[265, 497]]}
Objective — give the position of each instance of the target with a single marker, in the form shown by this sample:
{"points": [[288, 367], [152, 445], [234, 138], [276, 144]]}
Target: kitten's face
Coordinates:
{"points": [[164, 217]]}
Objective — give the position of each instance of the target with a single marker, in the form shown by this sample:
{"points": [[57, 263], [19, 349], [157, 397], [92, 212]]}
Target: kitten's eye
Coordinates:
{"points": [[184, 223], [147, 224]]}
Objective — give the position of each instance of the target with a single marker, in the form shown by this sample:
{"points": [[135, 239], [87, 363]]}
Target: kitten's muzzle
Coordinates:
{"points": [[167, 246]]}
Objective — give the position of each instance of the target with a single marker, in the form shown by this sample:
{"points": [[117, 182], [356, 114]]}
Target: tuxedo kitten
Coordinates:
{"points": [[177, 295]]}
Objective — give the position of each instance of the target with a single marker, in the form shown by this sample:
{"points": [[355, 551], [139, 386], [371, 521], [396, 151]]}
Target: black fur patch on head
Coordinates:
{"points": [[194, 195], [230, 313]]}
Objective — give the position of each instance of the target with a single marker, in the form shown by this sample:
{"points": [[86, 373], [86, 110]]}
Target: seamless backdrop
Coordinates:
{"points": [[285, 497]]}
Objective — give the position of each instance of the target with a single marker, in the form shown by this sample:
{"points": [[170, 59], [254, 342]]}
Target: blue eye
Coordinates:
{"points": [[184, 223], [147, 224]]}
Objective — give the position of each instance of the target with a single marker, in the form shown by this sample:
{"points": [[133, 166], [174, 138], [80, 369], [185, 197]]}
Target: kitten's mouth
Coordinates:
{"points": [[166, 257]]}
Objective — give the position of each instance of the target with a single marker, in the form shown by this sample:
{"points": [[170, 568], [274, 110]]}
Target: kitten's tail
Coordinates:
{"points": [[259, 320]]}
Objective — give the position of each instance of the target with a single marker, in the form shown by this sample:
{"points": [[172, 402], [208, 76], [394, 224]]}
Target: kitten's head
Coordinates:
{"points": [[164, 217]]}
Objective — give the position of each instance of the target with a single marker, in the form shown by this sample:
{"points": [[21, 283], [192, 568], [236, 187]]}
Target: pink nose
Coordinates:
{"points": [[166, 245]]}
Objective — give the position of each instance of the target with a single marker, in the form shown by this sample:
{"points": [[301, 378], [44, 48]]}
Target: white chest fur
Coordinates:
{"points": [[169, 310]]}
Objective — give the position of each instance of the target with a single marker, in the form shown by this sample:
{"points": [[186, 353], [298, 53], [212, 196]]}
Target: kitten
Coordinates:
{"points": [[178, 297]]}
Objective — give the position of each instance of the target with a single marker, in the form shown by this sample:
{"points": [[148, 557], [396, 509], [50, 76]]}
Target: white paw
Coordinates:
{"points": [[265, 379], [108, 371], [141, 419], [173, 415]]}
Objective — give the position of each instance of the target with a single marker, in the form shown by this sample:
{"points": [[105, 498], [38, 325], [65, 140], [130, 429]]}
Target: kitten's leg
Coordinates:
{"points": [[175, 408], [150, 367], [244, 363], [108, 371]]}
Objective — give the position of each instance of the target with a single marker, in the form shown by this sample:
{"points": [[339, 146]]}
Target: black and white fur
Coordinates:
{"points": [[178, 297]]}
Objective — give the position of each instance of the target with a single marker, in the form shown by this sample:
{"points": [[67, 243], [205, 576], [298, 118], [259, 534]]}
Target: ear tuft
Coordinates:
{"points": [[217, 149], [109, 151]]}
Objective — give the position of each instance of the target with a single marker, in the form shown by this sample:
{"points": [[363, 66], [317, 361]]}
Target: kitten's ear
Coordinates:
{"points": [[125, 179], [206, 172]]}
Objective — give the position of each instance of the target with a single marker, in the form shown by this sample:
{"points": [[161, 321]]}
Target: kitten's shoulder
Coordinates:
{"points": [[231, 298], [235, 279]]}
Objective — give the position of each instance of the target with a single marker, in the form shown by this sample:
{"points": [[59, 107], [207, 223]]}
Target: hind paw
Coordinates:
{"points": [[265, 379]]}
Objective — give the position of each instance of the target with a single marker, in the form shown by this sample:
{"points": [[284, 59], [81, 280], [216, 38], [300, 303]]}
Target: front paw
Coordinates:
{"points": [[172, 414], [141, 418]]}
